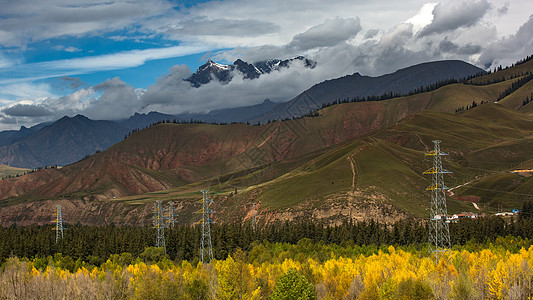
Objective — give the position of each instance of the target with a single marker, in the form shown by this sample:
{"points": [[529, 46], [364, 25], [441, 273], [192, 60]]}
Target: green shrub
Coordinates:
{"points": [[293, 286]]}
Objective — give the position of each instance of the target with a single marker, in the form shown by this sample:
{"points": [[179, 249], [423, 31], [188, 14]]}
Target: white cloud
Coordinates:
{"points": [[66, 49], [423, 18], [511, 48], [173, 95], [121, 60], [450, 17], [25, 90], [4, 62], [24, 21], [88, 64]]}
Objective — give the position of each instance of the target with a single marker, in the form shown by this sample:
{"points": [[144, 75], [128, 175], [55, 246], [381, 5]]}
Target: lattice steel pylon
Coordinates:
{"points": [[59, 223], [206, 248], [171, 215], [439, 232], [159, 224]]}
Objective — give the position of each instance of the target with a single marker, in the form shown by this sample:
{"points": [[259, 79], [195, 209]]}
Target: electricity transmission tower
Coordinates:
{"points": [[439, 232], [206, 248], [171, 213], [59, 223], [159, 224]]}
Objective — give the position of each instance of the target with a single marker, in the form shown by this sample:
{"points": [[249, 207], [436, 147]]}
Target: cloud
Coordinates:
{"points": [[223, 27], [66, 49], [125, 59], [27, 110], [27, 21], [447, 46], [68, 83], [511, 48], [118, 100], [88, 64], [371, 33], [24, 90], [504, 9], [327, 34], [109, 100], [4, 62], [448, 18], [173, 95], [330, 33], [396, 35]]}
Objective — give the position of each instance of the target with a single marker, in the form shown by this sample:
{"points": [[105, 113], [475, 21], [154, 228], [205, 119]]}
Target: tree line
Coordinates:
{"points": [[94, 244]]}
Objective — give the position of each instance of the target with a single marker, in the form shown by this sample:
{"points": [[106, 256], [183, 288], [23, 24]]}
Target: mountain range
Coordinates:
{"points": [[402, 81], [356, 160], [225, 73], [71, 139]]}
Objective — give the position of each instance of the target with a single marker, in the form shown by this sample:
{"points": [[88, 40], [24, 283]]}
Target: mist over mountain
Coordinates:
{"points": [[225, 73]]}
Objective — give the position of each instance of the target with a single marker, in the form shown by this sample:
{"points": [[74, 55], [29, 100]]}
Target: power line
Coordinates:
{"points": [[497, 191]]}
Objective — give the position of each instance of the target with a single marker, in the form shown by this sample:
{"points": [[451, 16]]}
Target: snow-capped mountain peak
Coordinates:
{"points": [[224, 73]]}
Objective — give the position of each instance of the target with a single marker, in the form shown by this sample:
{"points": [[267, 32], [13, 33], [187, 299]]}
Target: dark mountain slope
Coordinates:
{"points": [[65, 141], [141, 121], [174, 154], [356, 85]]}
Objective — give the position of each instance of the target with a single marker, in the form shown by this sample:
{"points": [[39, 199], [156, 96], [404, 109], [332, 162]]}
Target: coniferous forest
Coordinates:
{"points": [[95, 244]]}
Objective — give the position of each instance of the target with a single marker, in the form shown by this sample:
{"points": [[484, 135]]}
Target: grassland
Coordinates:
{"points": [[6, 171]]}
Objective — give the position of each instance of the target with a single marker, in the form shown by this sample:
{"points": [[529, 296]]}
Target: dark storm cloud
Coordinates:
{"points": [[327, 34], [65, 82], [446, 18], [27, 110], [447, 46]]}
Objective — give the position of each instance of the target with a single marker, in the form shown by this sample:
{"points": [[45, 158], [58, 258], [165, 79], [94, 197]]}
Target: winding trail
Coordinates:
{"points": [[422, 142], [353, 164]]}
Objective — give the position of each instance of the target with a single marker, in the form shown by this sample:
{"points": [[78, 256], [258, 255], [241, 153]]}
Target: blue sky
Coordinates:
{"points": [[109, 59]]}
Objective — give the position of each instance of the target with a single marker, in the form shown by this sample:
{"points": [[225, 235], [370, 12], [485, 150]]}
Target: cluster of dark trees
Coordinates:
{"points": [[519, 62], [516, 85], [191, 121], [522, 61], [94, 244], [29, 171], [527, 100], [474, 104], [391, 95]]}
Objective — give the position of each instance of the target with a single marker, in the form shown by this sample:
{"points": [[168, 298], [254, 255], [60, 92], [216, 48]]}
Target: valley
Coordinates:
{"points": [[355, 160]]}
